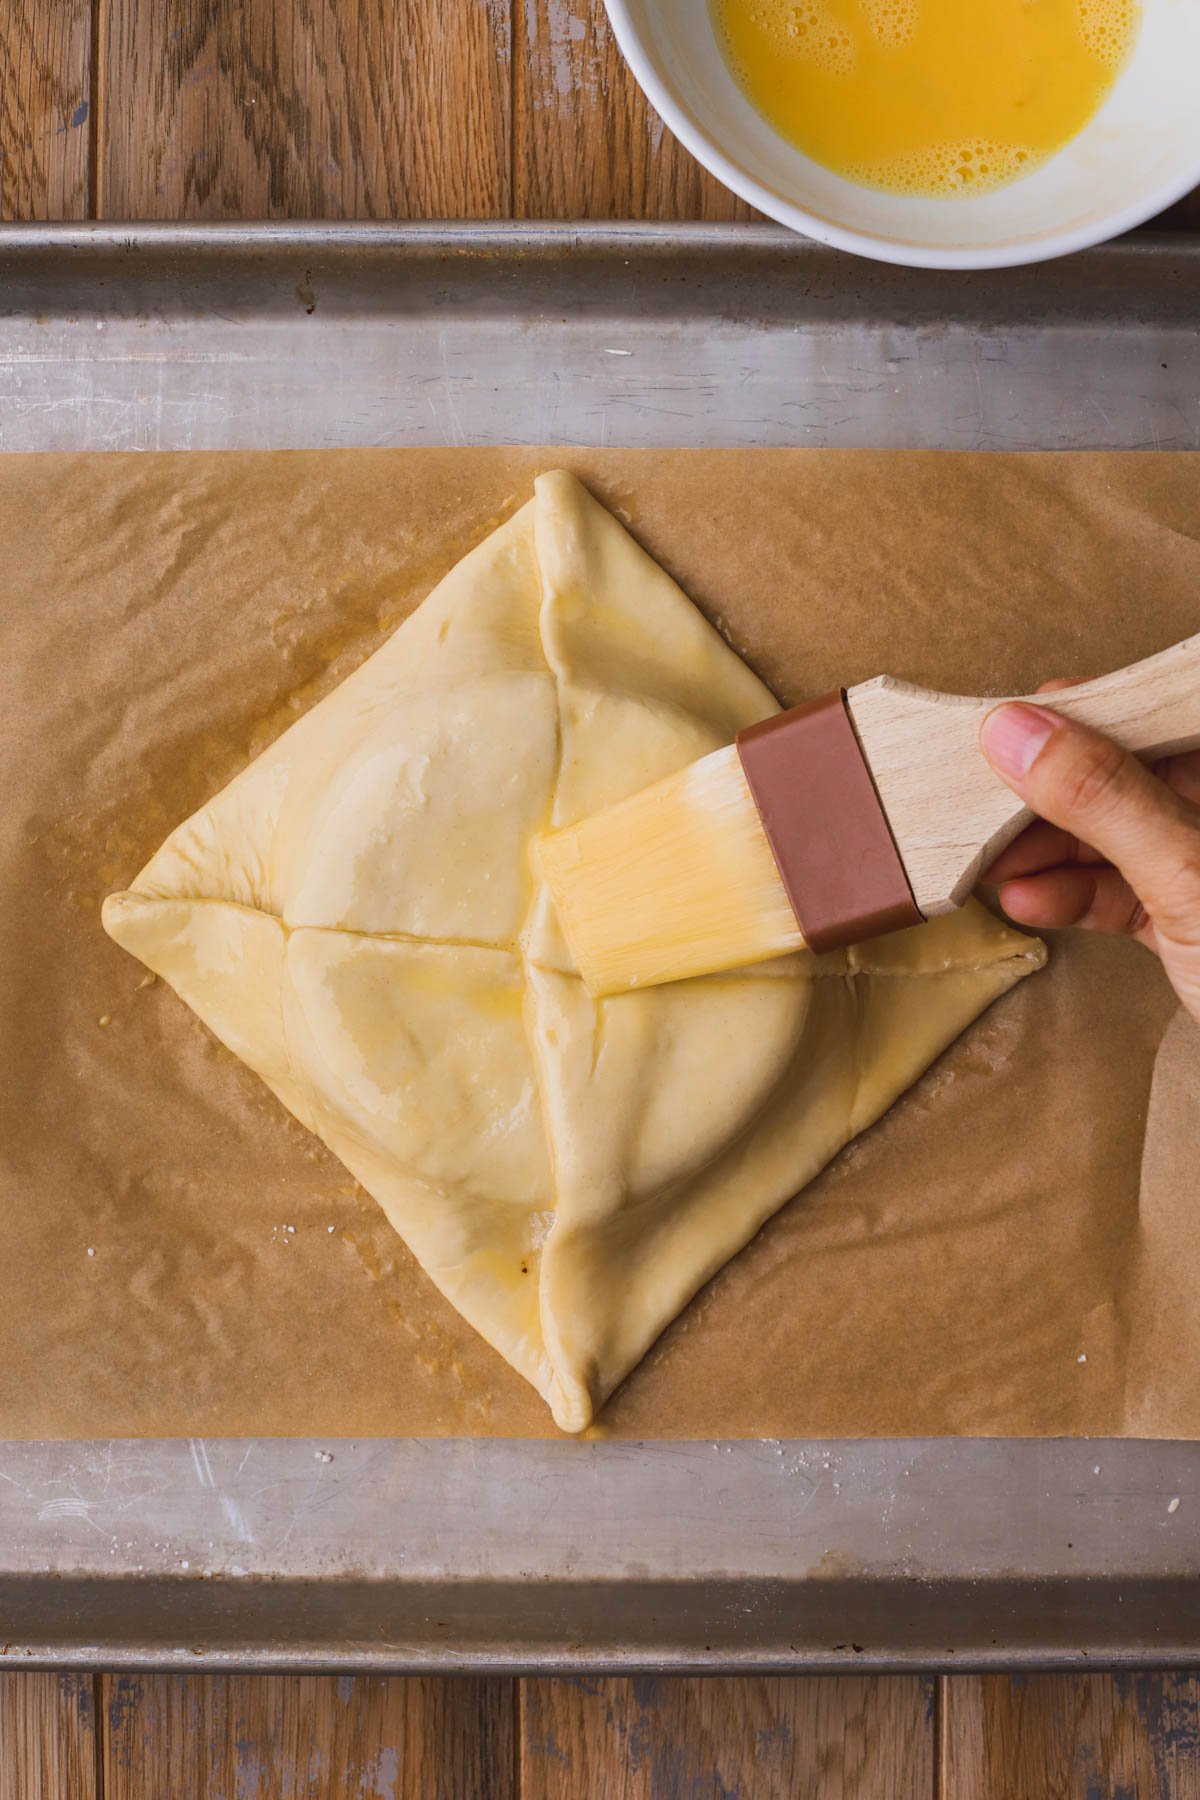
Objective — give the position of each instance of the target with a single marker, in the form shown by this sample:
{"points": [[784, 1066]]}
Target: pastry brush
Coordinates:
{"points": [[858, 813]]}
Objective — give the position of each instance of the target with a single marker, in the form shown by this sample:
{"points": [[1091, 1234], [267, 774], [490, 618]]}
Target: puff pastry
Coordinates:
{"points": [[355, 917]]}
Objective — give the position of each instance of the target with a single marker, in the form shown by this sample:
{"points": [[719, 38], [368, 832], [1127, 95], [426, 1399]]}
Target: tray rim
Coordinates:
{"points": [[18, 237]]}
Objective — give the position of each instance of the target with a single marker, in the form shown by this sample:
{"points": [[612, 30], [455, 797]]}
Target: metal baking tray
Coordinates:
{"points": [[478, 1555]]}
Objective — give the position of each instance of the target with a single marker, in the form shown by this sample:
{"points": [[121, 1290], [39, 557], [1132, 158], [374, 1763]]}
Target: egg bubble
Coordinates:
{"points": [[811, 30], [892, 22], [973, 166], [1107, 28]]}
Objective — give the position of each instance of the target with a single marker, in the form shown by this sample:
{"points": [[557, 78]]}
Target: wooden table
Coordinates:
{"points": [[468, 108], [352, 109]]}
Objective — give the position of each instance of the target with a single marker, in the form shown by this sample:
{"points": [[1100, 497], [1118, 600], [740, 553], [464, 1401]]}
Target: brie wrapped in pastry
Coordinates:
{"points": [[356, 918]]}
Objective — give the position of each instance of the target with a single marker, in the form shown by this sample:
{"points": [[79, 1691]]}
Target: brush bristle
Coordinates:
{"points": [[677, 880]]}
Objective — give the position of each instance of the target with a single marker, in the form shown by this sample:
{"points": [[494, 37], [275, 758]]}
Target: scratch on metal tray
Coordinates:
{"points": [[200, 1462], [236, 1519], [66, 1508], [456, 430]]}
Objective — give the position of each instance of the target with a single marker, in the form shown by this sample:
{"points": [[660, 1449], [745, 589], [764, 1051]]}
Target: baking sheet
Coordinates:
{"points": [[435, 1553], [974, 1265]]}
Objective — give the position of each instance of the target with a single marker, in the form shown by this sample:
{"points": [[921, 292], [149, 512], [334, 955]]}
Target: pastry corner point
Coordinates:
{"points": [[116, 910], [571, 1404]]}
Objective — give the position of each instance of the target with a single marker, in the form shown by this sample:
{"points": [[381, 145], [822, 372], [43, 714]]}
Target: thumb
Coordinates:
{"points": [[1104, 796]]}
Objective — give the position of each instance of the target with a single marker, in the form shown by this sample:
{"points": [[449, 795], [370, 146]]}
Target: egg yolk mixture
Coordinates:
{"points": [[934, 97]]}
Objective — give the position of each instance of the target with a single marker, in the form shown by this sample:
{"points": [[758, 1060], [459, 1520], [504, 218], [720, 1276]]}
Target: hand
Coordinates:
{"points": [[1117, 844]]}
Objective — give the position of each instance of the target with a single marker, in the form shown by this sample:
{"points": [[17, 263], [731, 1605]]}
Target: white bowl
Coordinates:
{"points": [[1139, 153]]}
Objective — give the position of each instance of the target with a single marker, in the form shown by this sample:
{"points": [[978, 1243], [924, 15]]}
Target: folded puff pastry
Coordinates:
{"points": [[355, 917]]}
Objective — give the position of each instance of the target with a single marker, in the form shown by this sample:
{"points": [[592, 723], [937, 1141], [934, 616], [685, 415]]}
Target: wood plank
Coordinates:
{"points": [[45, 134], [352, 109], [844, 1738], [588, 145], [47, 1737], [268, 1737], [1071, 1737]]}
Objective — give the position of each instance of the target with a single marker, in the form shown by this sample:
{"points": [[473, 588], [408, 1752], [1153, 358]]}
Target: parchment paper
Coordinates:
{"points": [[1013, 1250]]}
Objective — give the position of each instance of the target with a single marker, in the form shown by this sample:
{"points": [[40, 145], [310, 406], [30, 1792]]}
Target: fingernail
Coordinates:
{"points": [[1014, 736]]}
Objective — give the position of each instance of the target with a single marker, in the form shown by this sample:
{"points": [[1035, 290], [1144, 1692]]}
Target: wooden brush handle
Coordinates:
{"points": [[949, 813]]}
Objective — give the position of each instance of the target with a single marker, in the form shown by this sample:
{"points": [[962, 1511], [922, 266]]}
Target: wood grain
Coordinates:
{"points": [[948, 812], [185, 1737], [338, 109], [352, 109], [727, 1738], [47, 1737], [587, 143], [1071, 1737], [45, 71]]}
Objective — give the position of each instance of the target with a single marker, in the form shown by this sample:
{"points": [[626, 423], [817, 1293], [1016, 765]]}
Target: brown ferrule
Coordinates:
{"points": [[825, 825]]}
